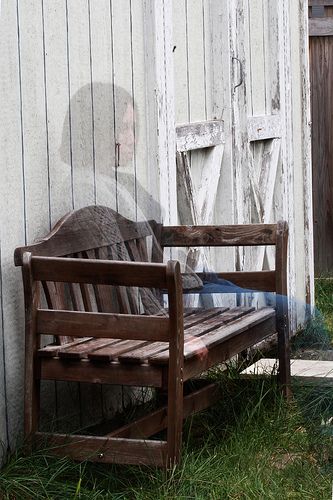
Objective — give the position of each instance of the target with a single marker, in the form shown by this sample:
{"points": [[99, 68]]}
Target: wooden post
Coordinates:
{"points": [[282, 319], [32, 381], [176, 363]]}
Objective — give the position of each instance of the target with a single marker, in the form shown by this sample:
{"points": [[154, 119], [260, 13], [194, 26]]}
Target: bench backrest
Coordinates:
{"points": [[98, 232]]}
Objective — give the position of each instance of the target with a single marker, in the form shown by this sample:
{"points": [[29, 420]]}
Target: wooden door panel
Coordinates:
{"points": [[321, 75]]}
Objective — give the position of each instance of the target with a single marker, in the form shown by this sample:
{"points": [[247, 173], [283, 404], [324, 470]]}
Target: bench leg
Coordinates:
{"points": [[284, 377], [175, 424], [31, 408]]}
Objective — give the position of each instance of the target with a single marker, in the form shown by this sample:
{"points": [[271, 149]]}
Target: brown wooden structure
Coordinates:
{"points": [[102, 276], [321, 73]]}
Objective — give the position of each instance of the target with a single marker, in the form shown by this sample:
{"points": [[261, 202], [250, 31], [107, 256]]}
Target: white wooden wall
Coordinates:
{"points": [[60, 121], [177, 60]]}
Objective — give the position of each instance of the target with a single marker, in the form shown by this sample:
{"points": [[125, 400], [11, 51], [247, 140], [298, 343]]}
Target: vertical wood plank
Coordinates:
{"points": [[298, 169], [35, 137], [195, 41], [34, 124], [272, 62], [12, 204], [196, 61], [287, 141], [180, 58], [221, 94], [57, 107], [209, 61], [103, 101], [158, 35], [144, 199], [59, 138], [240, 54], [81, 121], [307, 155], [257, 57], [124, 133]]}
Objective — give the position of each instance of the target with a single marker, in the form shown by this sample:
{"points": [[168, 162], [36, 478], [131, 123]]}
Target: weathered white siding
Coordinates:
{"points": [[60, 120], [181, 61]]}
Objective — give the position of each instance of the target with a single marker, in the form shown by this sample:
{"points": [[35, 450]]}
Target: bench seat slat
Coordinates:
{"points": [[204, 327], [221, 319], [199, 346], [223, 333], [110, 353], [196, 318], [81, 351], [52, 350], [142, 354]]}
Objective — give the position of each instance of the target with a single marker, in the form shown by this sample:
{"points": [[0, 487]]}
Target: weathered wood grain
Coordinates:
{"points": [[321, 26], [195, 66], [67, 236], [180, 54], [81, 350], [123, 78], [258, 280], [199, 135], [99, 272], [57, 108], [161, 110], [321, 52], [282, 320], [229, 348], [100, 373], [320, 2], [257, 74], [307, 154], [201, 339], [306, 371], [252, 234], [52, 350], [102, 325], [264, 127], [12, 203], [176, 363], [32, 343], [80, 114], [109, 353], [106, 450], [102, 94]]}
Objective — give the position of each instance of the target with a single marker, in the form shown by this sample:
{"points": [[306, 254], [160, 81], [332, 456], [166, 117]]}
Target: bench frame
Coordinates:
{"points": [[45, 262]]}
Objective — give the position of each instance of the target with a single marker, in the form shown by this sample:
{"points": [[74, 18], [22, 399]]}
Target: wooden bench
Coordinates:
{"points": [[95, 283]]}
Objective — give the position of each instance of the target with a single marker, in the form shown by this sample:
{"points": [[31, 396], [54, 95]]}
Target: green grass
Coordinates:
{"points": [[324, 300], [251, 445]]}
